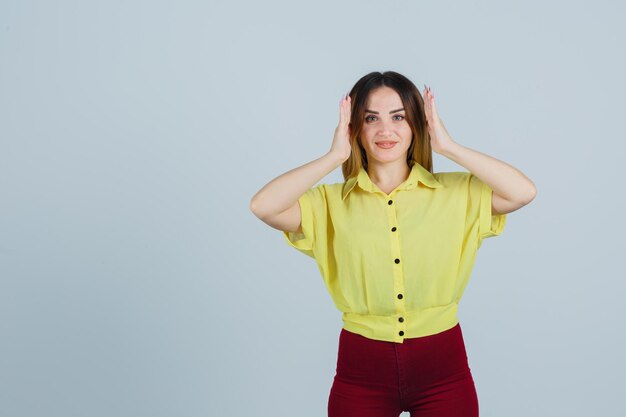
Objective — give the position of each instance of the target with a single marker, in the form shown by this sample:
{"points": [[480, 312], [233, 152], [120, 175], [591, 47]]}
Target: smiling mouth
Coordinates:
{"points": [[386, 144]]}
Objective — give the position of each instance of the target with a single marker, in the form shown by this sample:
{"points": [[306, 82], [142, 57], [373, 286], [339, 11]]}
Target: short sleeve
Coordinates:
{"points": [[313, 211], [479, 209]]}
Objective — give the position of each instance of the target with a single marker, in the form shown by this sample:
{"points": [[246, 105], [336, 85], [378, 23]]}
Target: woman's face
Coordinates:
{"points": [[385, 122]]}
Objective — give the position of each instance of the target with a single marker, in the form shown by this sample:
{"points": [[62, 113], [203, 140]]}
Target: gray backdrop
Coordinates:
{"points": [[135, 281]]}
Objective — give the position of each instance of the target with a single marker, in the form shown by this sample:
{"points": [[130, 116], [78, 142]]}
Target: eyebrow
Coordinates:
{"points": [[375, 112]]}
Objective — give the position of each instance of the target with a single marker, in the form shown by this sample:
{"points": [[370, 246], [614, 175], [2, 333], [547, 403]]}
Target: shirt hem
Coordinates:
{"points": [[415, 323]]}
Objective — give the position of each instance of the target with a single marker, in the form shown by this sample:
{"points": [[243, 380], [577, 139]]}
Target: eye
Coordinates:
{"points": [[367, 118]]}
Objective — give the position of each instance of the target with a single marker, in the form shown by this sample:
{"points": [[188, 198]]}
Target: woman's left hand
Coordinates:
{"points": [[440, 140]]}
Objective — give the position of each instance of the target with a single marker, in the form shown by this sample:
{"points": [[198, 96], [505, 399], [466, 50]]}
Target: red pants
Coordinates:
{"points": [[428, 376]]}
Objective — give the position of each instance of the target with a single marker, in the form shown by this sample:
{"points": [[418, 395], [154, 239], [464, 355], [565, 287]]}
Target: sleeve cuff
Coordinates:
{"points": [[303, 241], [490, 225]]}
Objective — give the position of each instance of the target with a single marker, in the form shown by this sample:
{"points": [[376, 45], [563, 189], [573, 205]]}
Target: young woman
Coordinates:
{"points": [[395, 244]]}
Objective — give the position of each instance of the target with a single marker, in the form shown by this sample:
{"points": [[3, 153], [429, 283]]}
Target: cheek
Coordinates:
{"points": [[406, 131], [367, 133]]}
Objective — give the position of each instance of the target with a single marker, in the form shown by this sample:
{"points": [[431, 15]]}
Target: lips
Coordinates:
{"points": [[386, 144]]}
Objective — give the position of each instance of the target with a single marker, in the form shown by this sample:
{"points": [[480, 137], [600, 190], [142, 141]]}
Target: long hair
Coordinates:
{"points": [[419, 152]]}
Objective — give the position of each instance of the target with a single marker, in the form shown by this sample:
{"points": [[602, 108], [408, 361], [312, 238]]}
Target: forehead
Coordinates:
{"points": [[383, 98]]}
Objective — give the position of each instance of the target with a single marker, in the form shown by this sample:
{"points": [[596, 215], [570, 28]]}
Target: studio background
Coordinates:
{"points": [[135, 281]]}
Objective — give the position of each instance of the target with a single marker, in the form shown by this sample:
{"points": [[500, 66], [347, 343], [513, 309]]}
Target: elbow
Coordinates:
{"points": [[257, 208], [254, 207], [529, 195], [523, 198], [532, 193]]}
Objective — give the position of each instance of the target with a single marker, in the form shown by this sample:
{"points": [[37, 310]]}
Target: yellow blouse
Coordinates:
{"points": [[397, 264]]}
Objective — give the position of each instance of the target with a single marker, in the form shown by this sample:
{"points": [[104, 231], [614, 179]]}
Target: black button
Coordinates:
{"points": [[401, 333], [393, 229], [400, 296], [390, 202], [401, 319], [397, 261]]}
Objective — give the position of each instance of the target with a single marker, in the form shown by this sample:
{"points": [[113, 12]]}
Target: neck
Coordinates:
{"points": [[388, 174]]}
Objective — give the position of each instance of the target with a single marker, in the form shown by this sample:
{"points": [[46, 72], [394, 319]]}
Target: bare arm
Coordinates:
{"points": [[283, 192], [277, 202], [511, 188]]}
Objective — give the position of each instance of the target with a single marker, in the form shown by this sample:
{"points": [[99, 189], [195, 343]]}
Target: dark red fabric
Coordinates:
{"points": [[427, 376]]}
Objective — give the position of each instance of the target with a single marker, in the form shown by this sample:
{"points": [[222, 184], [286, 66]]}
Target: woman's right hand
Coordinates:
{"points": [[341, 141]]}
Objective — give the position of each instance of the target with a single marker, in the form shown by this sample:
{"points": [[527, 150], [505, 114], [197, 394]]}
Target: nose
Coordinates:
{"points": [[385, 129]]}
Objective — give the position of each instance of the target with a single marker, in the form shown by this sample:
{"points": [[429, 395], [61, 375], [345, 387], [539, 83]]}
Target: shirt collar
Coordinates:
{"points": [[418, 173]]}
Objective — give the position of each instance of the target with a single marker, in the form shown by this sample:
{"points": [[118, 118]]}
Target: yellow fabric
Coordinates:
{"points": [[441, 220]]}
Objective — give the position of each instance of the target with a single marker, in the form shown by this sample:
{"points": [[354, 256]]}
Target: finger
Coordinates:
{"points": [[340, 109], [432, 102], [349, 105]]}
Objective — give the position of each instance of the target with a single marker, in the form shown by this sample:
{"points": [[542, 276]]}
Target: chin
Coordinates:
{"points": [[387, 158]]}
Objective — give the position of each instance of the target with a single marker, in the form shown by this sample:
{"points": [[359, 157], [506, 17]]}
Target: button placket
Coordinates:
{"points": [[398, 276]]}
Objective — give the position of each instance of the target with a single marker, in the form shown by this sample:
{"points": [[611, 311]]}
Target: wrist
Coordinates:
{"points": [[336, 159], [452, 150]]}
